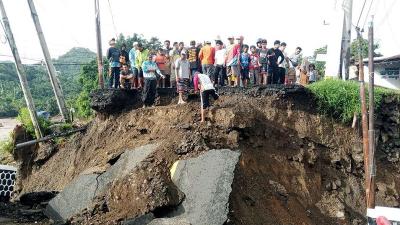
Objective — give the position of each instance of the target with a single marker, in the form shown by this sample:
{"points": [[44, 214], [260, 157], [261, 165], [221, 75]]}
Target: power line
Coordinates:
{"points": [[366, 18], [362, 10], [112, 18]]}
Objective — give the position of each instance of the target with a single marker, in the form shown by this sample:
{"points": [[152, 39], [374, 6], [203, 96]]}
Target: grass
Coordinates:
{"points": [[341, 99]]}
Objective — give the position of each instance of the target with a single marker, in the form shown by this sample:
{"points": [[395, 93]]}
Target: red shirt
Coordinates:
{"points": [[161, 61], [254, 61]]}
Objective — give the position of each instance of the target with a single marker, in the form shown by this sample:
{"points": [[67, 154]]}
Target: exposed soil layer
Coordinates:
{"points": [[296, 167]]}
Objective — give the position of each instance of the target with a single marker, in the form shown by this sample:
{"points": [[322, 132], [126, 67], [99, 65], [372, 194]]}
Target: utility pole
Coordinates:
{"points": [[99, 49], [49, 64], [346, 39], [21, 72], [364, 120], [371, 130]]}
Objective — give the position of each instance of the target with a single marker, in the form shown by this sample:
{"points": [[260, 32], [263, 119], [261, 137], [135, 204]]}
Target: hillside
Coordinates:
{"points": [[69, 66]]}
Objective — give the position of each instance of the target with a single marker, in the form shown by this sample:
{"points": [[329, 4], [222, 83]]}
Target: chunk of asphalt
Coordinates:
{"points": [[81, 193]]}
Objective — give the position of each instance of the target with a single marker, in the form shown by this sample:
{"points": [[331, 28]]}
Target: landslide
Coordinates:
{"points": [[296, 167]]}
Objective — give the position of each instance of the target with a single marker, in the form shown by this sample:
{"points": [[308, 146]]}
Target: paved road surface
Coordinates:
{"points": [[7, 125]]}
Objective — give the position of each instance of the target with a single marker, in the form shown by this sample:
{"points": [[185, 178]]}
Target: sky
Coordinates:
{"points": [[71, 23]]}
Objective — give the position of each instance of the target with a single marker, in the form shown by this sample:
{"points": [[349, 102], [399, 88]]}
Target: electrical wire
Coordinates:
{"points": [[362, 10], [112, 18], [366, 17]]}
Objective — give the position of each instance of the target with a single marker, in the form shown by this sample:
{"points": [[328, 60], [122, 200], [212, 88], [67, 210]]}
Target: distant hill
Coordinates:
{"points": [[68, 66]]}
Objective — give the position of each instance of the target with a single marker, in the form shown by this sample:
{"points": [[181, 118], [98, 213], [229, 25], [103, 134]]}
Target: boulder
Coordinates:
{"points": [[206, 182], [83, 191]]}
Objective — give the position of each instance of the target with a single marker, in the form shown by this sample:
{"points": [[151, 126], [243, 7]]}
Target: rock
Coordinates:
{"points": [[338, 183], [36, 198], [279, 188], [141, 220], [206, 182], [233, 139], [330, 205], [82, 192]]}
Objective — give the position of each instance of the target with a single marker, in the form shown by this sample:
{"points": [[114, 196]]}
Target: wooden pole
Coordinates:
{"points": [[99, 49], [364, 118], [49, 64], [21, 72], [371, 131]]}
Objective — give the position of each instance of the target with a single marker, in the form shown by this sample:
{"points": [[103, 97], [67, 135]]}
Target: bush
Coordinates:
{"points": [[25, 118], [6, 146], [341, 99]]}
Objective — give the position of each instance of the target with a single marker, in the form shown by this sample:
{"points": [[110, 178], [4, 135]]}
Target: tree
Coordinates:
{"points": [[364, 46], [320, 66], [153, 44]]}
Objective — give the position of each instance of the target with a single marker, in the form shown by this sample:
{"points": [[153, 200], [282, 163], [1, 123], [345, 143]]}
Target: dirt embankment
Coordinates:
{"points": [[296, 167]]}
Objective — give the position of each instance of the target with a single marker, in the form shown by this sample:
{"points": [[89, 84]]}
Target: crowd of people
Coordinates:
{"points": [[232, 64]]}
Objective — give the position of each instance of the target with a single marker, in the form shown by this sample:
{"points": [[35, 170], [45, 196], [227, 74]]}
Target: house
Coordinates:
{"points": [[387, 72]]}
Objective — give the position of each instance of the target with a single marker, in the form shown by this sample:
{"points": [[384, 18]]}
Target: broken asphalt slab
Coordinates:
{"points": [[81, 193], [206, 182]]}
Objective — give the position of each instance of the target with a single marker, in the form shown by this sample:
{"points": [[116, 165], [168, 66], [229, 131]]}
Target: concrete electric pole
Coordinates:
{"points": [[21, 72], [346, 39], [49, 64], [99, 49]]}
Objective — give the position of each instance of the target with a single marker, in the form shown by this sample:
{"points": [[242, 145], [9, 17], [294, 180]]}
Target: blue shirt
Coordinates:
{"points": [[244, 60], [150, 65], [132, 55]]}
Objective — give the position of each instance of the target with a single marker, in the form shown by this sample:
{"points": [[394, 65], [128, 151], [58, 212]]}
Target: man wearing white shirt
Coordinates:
{"points": [[220, 68]]}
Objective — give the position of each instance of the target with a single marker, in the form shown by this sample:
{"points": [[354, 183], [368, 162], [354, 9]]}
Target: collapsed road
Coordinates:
{"points": [[263, 156]]}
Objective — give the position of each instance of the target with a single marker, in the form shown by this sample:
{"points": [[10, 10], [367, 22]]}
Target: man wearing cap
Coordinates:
{"points": [[182, 72], [141, 55], [207, 57], [113, 56], [132, 54]]}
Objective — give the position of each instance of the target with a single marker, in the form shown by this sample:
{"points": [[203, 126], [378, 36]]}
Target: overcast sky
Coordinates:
{"points": [[70, 23]]}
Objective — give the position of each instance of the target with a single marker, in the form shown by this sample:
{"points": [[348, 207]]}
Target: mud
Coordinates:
{"points": [[296, 167]]}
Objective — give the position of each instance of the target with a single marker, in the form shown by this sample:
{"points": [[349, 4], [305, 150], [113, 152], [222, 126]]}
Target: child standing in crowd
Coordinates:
{"points": [[150, 69], [254, 67], [182, 66], [113, 56], [203, 82], [264, 62], [244, 65]]}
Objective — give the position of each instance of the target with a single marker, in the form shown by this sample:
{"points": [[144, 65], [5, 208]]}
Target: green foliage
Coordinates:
{"points": [[25, 118], [65, 127], [68, 65], [6, 146], [320, 66], [341, 99], [88, 81], [152, 44], [354, 47]]}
